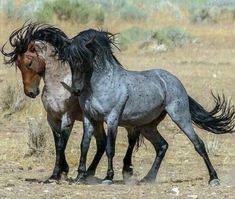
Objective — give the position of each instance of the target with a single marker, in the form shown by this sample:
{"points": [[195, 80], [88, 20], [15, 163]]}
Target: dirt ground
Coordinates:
{"points": [[207, 64]]}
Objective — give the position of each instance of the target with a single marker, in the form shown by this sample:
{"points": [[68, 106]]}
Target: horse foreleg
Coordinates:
{"points": [[61, 132], [100, 136], [88, 130], [112, 124]]}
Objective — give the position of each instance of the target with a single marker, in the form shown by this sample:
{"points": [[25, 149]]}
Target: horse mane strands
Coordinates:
{"points": [[21, 37]]}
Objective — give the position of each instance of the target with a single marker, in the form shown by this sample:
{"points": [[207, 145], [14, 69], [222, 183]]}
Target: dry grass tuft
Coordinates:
{"points": [[13, 98], [37, 136]]}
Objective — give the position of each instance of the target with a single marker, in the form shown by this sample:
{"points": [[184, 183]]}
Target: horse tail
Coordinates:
{"points": [[138, 137], [220, 120]]}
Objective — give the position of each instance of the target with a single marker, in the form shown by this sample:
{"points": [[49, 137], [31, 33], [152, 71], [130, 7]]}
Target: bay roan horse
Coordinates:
{"points": [[109, 93], [37, 60]]}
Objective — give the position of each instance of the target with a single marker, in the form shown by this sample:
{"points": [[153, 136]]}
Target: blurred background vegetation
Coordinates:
{"points": [[99, 13]]}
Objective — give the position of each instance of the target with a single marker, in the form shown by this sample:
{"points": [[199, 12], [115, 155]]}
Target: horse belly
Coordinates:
{"points": [[142, 110]]}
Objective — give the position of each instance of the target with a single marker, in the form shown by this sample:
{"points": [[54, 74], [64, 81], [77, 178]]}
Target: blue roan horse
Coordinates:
{"points": [[109, 93]]}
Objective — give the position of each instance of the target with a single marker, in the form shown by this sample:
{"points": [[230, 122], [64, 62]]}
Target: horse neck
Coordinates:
{"points": [[106, 66], [55, 72], [103, 72]]}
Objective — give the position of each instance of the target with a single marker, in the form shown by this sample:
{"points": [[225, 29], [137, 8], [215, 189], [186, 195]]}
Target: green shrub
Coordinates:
{"points": [[44, 14], [133, 35], [77, 11], [130, 12], [171, 36]]}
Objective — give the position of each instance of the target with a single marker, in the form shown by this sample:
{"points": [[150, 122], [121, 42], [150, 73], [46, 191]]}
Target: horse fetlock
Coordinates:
{"points": [[64, 167], [90, 172], [81, 177], [127, 172], [110, 175]]}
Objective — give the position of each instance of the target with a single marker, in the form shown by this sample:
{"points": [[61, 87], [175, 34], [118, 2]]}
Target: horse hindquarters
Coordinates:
{"points": [[178, 110]]}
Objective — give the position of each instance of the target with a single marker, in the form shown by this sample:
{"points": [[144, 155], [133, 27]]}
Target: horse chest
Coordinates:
{"points": [[55, 103], [93, 108]]}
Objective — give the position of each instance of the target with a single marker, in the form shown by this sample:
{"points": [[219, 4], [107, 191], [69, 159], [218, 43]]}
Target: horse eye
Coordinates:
{"points": [[29, 65]]}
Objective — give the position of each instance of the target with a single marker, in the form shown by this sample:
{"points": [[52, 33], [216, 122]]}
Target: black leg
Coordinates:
{"points": [[60, 138], [127, 170], [110, 152], [100, 136], [160, 146], [88, 129], [186, 126], [200, 148]]}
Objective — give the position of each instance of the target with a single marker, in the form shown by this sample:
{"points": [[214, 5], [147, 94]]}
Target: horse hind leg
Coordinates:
{"points": [[160, 146], [127, 170], [179, 113]]}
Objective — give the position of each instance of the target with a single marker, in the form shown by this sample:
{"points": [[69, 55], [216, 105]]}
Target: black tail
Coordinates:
{"points": [[220, 120], [138, 137]]}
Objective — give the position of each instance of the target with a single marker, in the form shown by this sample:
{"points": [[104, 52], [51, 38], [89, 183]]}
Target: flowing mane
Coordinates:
{"points": [[88, 42], [21, 37]]}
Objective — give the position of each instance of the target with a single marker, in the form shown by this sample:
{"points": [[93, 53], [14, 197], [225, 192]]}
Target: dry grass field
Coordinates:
{"points": [[207, 63]]}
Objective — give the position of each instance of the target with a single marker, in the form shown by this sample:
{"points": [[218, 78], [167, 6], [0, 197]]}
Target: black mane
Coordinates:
{"points": [[21, 37], [86, 43]]}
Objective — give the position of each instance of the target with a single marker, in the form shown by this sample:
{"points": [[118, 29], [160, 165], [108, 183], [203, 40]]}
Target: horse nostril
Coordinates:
{"points": [[76, 92], [31, 94]]}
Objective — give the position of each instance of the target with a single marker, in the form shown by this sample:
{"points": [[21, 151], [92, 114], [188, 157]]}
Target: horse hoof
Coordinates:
{"points": [[107, 182], [214, 182]]}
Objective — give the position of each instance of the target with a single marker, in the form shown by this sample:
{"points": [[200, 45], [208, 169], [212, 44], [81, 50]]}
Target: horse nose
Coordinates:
{"points": [[32, 93], [76, 91]]}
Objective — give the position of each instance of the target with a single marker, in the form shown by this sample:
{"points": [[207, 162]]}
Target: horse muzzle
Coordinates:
{"points": [[32, 93]]}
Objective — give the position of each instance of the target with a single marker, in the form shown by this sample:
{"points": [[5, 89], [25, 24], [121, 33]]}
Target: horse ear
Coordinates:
{"points": [[68, 88]]}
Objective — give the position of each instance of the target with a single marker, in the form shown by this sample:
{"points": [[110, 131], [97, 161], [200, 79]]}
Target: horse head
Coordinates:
{"points": [[27, 53], [32, 67]]}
